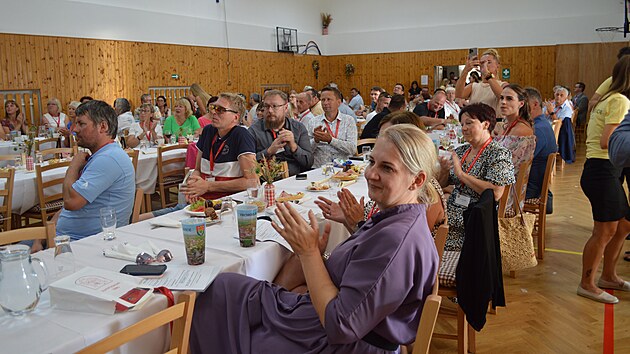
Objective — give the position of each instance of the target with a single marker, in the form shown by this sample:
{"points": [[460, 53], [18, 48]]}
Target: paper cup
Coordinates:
{"points": [[194, 230], [246, 219]]}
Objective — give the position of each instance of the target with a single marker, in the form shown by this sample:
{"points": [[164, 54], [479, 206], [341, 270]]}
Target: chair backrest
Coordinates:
{"points": [[551, 160], [427, 324], [574, 117], [557, 124], [137, 204], [57, 153], [44, 195], [440, 239], [180, 314], [178, 163], [521, 179], [133, 155], [46, 232], [39, 143], [369, 141], [7, 195]]}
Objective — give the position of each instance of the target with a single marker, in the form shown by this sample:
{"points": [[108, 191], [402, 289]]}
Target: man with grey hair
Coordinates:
{"points": [[303, 103], [278, 136], [316, 105], [123, 110], [147, 99], [104, 178], [560, 107]]}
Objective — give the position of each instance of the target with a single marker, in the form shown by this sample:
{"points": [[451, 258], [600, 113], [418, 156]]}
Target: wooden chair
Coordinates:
{"points": [[170, 171], [137, 205], [557, 124], [7, 195], [361, 142], [49, 204], [431, 305], [133, 155], [538, 206], [521, 180], [180, 314], [39, 143], [32, 233], [57, 153]]}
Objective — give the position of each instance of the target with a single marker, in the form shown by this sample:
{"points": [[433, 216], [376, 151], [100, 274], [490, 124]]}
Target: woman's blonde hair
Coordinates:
{"points": [[74, 104], [494, 53], [198, 91], [184, 102], [418, 155], [56, 101]]}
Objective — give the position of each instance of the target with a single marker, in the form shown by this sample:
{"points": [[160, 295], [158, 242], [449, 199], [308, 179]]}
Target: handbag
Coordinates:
{"points": [[517, 244]]}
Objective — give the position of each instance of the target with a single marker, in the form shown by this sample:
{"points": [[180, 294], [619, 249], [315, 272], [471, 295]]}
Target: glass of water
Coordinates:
{"points": [[365, 150], [108, 222]]}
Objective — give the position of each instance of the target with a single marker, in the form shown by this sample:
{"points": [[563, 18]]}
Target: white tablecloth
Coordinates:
{"points": [[49, 330]]}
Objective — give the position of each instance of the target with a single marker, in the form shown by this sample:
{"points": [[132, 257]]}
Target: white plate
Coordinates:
{"points": [[194, 213]]}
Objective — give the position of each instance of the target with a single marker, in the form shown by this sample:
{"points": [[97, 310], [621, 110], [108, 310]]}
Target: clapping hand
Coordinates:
{"points": [[456, 164], [351, 208], [195, 187], [549, 106], [301, 235], [322, 134], [330, 210]]}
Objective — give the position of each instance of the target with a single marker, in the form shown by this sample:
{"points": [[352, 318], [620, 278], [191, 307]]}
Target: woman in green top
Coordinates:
{"points": [[601, 185], [182, 122]]}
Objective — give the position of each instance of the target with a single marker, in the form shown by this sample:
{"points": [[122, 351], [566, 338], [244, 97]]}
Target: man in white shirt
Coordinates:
{"points": [[303, 102], [560, 107], [451, 108], [333, 134]]}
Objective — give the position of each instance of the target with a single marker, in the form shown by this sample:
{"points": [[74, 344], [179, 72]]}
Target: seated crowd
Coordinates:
{"points": [[352, 305]]}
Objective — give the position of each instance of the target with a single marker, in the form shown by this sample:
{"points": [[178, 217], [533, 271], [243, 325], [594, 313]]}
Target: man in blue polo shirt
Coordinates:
{"points": [[104, 178], [545, 145]]}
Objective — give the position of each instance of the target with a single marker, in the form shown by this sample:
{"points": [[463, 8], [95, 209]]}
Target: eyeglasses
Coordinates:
{"points": [[272, 106], [221, 110]]}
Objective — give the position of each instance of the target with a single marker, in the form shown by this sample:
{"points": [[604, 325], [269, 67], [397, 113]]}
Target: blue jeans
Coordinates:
{"points": [[168, 210]]}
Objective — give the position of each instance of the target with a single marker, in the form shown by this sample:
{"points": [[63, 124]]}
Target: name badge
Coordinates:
{"points": [[210, 178], [462, 200]]}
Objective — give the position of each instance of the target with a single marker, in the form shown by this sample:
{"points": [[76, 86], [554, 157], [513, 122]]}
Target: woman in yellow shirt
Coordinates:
{"points": [[601, 185]]}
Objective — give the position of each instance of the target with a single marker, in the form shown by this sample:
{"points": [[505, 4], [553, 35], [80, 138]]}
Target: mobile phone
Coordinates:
{"points": [[144, 270], [473, 52], [188, 175], [301, 176]]}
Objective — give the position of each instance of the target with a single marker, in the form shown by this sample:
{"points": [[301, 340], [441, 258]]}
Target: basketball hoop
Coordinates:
{"points": [[607, 34]]}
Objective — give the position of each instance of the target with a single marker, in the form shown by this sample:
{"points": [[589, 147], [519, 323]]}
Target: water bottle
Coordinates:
{"points": [[64, 258]]}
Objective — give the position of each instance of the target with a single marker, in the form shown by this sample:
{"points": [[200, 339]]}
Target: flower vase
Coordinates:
{"points": [[324, 31], [30, 164], [270, 194]]}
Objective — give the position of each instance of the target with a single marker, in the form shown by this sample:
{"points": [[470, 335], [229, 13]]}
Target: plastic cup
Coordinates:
{"points": [[194, 230], [246, 220]]}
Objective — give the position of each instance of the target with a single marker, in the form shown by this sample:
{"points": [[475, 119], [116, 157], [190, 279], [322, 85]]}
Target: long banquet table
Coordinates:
{"points": [[50, 330]]}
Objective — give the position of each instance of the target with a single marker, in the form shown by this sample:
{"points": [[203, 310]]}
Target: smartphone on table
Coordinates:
{"points": [[144, 270]]}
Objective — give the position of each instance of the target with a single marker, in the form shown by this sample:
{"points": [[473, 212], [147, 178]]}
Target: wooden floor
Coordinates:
{"points": [[543, 312]]}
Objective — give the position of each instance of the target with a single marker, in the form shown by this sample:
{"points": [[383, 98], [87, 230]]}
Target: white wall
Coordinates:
{"points": [[408, 25], [359, 26], [251, 24]]}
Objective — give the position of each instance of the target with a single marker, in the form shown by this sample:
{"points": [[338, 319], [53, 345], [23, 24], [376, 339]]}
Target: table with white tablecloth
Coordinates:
{"points": [[50, 330]]}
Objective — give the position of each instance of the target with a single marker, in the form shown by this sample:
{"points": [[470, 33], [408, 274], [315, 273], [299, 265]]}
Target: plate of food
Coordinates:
{"points": [[197, 208], [289, 197], [318, 187], [349, 175]]}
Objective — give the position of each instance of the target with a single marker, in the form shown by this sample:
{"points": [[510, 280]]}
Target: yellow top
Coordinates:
{"points": [[610, 111], [603, 88]]}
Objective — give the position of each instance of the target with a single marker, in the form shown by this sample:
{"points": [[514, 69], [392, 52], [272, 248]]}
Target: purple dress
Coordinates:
{"points": [[384, 272]]}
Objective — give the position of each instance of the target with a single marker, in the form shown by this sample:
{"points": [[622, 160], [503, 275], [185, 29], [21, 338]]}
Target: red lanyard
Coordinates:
{"points": [[476, 157], [304, 114], [214, 157], [336, 129], [58, 120], [373, 211], [274, 134], [511, 126]]}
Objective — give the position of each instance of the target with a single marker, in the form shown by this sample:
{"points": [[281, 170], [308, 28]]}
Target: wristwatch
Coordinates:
{"points": [[489, 76], [325, 256]]}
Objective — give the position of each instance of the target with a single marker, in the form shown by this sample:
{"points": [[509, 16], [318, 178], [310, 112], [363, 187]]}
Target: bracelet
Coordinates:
{"points": [[325, 256]]}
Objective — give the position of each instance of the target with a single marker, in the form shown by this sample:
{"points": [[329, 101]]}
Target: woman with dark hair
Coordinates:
{"points": [[13, 120], [474, 167], [517, 133], [206, 119], [415, 91], [163, 106], [602, 186]]}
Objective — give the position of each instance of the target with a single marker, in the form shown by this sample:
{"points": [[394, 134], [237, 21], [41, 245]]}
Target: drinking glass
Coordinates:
{"points": [[194, 230], [64, 258], [227, 207], [246, 216], [327, 169], [365, 150], [43, 131], [108, 222]]}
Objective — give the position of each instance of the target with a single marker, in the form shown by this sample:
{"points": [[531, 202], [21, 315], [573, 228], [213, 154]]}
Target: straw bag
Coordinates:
{"points": [[517, 244]]}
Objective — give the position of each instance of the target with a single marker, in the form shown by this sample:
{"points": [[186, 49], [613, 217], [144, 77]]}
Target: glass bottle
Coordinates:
{"points": [[64, 258]]}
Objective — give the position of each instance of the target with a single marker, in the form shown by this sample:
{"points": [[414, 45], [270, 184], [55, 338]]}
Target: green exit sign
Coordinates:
{"points": [[505, 73]]}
